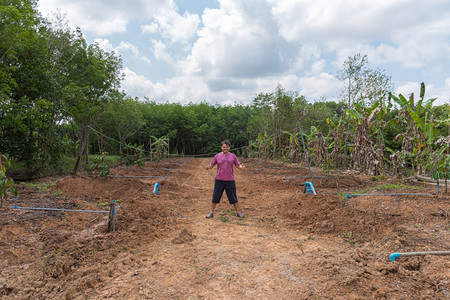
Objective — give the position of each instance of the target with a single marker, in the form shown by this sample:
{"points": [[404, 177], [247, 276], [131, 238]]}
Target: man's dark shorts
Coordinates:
{"points": [[230, 189]]}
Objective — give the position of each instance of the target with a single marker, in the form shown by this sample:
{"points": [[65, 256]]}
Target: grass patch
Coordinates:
{"points": [[224, 219], [398, 186], [348, 237], [241, 224], [352, 238], [39, 185], [57, 193]]}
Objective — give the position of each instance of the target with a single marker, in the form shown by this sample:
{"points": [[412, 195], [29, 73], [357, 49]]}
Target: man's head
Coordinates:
{"points": [[226, 142], [225, 145]]}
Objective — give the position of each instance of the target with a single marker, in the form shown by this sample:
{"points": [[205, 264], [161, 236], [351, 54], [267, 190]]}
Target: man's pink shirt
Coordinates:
{"points": [[225, 164]]}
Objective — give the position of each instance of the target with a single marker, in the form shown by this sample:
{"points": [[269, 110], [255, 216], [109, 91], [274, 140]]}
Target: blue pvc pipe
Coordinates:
{"points": [[156, 188], [310, 188], [394, 256], [114, 215]]}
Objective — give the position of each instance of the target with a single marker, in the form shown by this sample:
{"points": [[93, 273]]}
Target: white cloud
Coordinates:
{"points": [[236, 40], [159, 51], [122, 49], [176, 89], [106, 45], [126, 46], [233, 52], [105, 17], [140, 86], [151, 28], [442, 94], [177, 28]]}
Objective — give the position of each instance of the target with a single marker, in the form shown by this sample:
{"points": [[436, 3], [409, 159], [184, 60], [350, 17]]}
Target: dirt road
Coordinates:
{"points": [[290, 245]]}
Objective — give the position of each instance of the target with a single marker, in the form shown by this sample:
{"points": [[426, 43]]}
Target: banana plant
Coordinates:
{"points": [[294, 145], [6, 183], [422, 131], [265, 142], [161, 146], [336, 146], [418, 113]]}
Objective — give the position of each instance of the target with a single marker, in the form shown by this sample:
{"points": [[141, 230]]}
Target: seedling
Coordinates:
{"points": [[57, 193]]}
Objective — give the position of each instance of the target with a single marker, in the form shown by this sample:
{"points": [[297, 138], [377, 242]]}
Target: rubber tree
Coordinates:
{"points": [[29, 116], [122, 119], [92, 77]]}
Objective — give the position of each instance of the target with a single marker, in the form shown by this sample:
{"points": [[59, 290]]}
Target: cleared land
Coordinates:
{"points": [[290, 245]]}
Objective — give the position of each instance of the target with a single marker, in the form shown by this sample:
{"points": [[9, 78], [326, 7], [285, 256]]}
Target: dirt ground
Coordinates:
{"points": [[290, 245]]}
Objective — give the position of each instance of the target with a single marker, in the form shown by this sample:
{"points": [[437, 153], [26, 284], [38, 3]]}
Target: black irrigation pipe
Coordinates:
{"points": [[112, 211], [167, 169], [348, 196], [137, 176], [287, 178], [269, 168]]}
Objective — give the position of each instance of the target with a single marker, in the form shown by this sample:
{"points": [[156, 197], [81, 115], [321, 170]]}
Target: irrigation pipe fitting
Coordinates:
{"points": [[348, 196], [310, 187], [396, 255], [156, 188]]}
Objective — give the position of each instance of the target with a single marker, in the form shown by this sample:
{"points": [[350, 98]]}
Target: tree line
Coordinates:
{"points": [[60, 96]]}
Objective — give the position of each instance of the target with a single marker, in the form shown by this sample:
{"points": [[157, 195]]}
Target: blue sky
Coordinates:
{"points": [[228, 51]]}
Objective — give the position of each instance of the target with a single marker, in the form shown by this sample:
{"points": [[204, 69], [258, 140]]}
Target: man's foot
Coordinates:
{"points": [[239, 215], [209, 216]]}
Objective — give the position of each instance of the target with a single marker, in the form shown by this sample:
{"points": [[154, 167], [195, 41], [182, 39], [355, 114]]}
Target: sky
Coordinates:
{"points": [[228, 51]]}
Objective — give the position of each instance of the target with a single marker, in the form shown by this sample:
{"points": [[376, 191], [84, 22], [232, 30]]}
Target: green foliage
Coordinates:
{"points": [[41, 186], [56, 90], [160, 146], [6, 183], [100, 165], [397, 186], [224, 219], [138, 152], [441, 166]]}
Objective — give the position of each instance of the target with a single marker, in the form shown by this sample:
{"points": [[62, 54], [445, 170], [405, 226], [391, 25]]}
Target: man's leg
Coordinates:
{"points": [[217, 194], [213, 207], [236, 207], [230, 189]]}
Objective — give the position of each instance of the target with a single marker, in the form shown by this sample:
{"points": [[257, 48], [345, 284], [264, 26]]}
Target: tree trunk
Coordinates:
{"points": [[87, 153], [83, 147]]}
